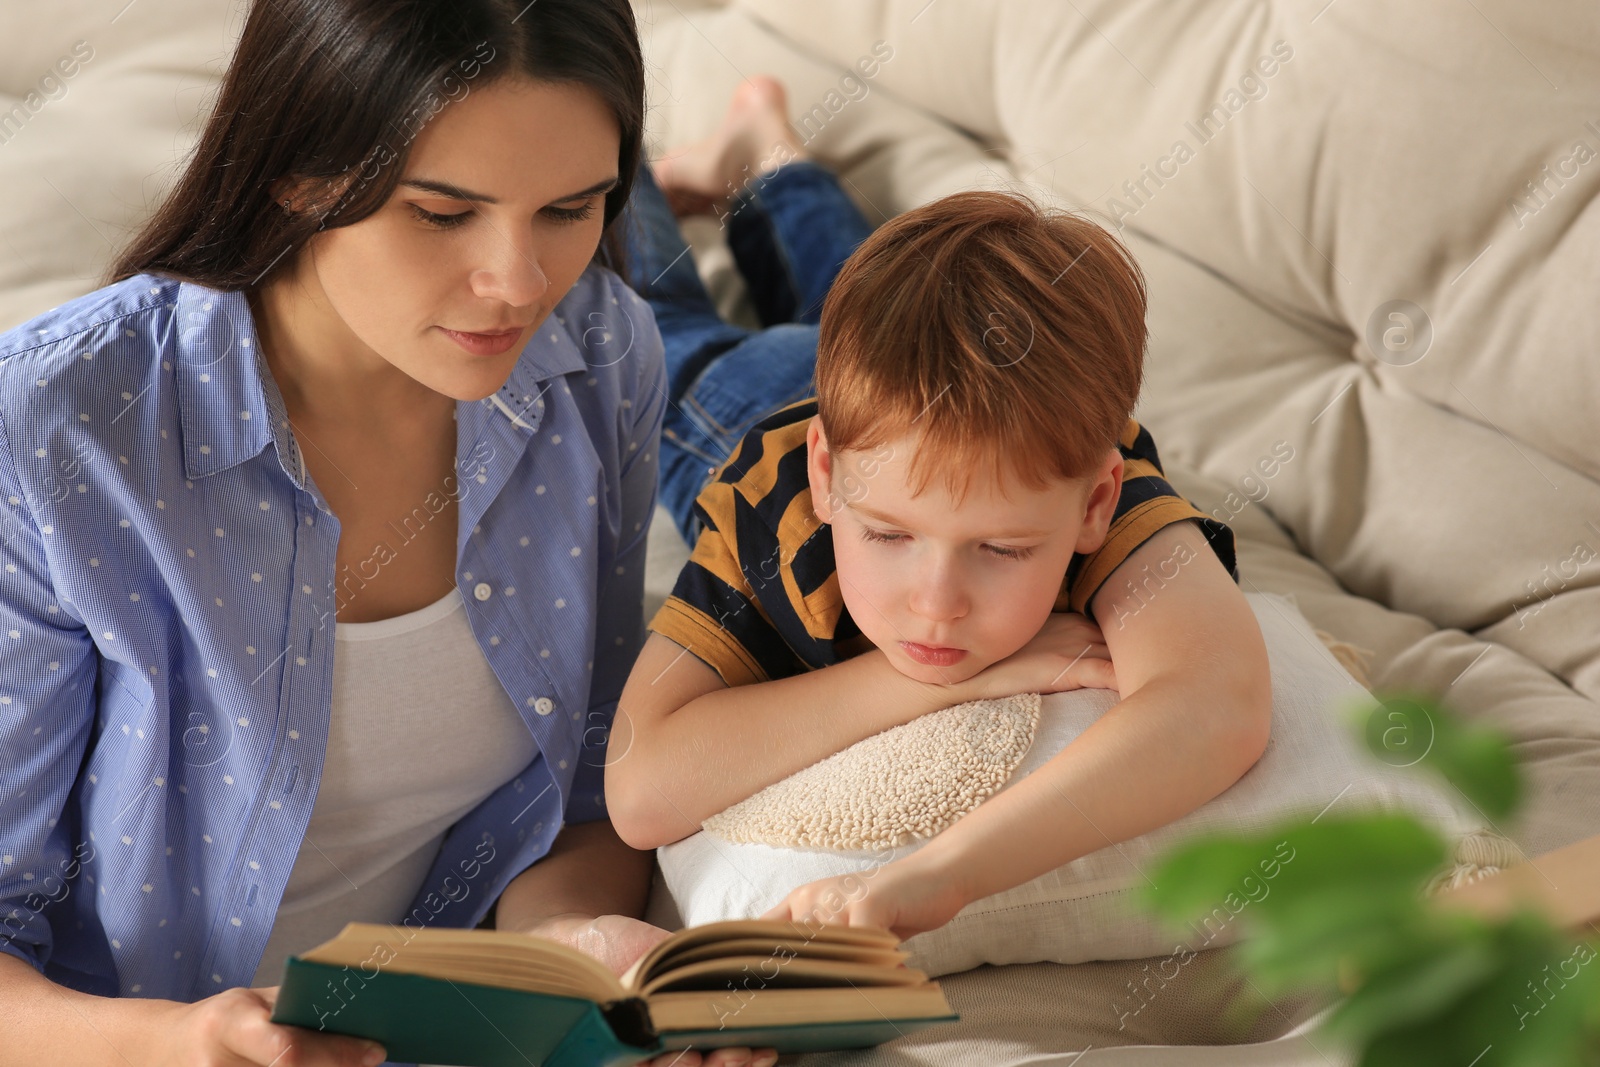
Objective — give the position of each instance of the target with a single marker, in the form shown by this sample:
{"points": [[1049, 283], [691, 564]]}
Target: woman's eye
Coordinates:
{"points": [[443, 222], [571, 214], [869, 534]]}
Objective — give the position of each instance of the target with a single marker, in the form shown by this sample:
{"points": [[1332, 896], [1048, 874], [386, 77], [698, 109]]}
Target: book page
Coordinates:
{"points": [[734, 1010], [779, 972], [486, 957], [821, 940], [778, 946]]}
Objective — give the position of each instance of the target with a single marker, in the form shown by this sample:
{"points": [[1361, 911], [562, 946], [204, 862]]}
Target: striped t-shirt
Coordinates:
{"points": [[759, 598]]}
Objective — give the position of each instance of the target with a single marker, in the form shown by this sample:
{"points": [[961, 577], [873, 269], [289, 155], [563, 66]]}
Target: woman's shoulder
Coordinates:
{"points": [[127, 318], [602, 287], [601, 312], [606, 331]]}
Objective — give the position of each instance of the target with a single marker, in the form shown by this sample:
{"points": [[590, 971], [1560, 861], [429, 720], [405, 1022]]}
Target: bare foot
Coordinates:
{"points": [[754, 139]]}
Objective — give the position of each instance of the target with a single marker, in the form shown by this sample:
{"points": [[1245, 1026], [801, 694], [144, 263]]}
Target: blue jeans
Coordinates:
{"points": [[789, 230]]}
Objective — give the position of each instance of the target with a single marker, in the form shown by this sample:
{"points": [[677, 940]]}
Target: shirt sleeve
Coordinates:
{"points": [[1147, 504], [619, 621], [713, 611], [47, 713]]}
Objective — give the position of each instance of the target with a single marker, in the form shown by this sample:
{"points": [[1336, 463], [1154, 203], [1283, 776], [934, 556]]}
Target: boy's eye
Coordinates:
{"points": [[999, 551], [438, 221], [869, 534]]}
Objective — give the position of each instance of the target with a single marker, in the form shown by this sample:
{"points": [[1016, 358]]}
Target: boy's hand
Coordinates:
{"points": [[1068, 652], [901, 897]]}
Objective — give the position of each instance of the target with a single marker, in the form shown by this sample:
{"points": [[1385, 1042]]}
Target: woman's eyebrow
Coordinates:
{"points": [[455, 192]]}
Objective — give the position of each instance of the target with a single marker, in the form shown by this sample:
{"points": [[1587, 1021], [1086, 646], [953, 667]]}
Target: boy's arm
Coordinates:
{"points": [[1195, 713], [685, 746]]}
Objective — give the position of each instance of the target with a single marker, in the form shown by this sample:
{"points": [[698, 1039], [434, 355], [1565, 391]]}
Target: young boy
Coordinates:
{"points": [[951, 516]]}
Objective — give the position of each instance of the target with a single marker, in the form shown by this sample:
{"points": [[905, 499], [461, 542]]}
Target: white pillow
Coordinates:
{"points": [[1080, 911]]}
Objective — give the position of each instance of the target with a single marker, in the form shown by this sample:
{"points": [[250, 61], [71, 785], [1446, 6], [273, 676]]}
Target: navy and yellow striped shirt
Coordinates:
{"points": [[759, 598]]}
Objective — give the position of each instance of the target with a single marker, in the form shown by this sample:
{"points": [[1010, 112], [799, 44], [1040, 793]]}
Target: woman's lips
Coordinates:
{"points": [[933, 657], [484, 344]]}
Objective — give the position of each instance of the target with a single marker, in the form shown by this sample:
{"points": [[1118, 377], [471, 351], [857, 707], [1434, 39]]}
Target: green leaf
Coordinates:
{"points": [[1480, 764], [1387, 854], [1418, 990], [1501, 1019], [1379, 854], [1404, 730], [1314, 948]]}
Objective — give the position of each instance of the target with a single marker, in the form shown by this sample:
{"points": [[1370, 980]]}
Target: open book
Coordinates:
{"points": [[494, 998]]}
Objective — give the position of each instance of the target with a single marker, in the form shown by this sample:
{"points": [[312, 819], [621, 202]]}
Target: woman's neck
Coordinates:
{"points": [[327, 375]]}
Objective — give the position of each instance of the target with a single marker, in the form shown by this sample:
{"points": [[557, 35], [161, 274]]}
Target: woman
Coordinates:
{"points": [[324, 535]]}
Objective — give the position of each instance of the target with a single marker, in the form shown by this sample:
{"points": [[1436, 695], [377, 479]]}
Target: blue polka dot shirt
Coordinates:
{"points": [[168, 593]]}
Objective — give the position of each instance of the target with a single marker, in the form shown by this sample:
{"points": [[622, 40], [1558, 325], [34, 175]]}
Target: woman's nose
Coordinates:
{"points": [[512, 273]]}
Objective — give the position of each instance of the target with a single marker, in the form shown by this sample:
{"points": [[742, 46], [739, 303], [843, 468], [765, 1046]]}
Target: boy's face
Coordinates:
{"points": [[946, 588]]}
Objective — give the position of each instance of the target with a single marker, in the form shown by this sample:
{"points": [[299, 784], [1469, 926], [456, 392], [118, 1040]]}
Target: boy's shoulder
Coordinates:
{"points": [[758, 598], [755, 463], [763, 483]]}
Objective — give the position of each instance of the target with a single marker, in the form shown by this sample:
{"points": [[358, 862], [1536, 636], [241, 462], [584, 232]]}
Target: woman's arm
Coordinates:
{"points": [[632, 460], [48, 723], [42, 1022], [588, 872]]}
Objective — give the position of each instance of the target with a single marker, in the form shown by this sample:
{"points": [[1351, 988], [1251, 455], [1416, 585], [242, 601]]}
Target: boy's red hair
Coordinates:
{"points": [[1000, 334]]}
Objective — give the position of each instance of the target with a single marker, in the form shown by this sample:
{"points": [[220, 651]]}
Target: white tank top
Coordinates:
{"points": [[421, 732]]}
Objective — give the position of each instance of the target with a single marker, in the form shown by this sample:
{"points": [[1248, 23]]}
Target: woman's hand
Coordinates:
{"points": [[904, 897], [1068, 652], [617, 941], [233, 1027]]}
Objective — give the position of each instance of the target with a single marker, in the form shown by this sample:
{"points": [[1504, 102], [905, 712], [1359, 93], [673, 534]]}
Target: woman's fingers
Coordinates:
{"points": [[679, 1058], [741, 1057], [235, 1024], [720, 1057]]}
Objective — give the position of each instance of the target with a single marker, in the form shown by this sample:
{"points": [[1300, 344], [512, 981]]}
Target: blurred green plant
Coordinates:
{"points": [[1339, 905]]}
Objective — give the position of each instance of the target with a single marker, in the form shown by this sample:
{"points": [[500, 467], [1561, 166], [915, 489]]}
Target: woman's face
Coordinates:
{"points": [[499, 208]]}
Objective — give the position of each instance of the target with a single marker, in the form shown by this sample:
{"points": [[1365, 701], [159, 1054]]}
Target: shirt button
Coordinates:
{"points": [[544, 705], [482, 591]]}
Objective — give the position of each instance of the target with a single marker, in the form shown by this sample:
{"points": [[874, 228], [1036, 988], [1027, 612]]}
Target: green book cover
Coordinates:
{"points": [[421, 1019]]}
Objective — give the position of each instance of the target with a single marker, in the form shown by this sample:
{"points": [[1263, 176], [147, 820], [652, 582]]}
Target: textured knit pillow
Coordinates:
{"points": [[1079, 911], [894, 787]]}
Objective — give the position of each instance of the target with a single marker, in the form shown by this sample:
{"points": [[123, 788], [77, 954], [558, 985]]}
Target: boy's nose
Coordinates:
{"points": [[939, 600]]}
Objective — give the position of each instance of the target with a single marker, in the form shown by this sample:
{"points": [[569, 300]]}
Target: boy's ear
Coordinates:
{"points": [[819, 470], [1101, 504]]}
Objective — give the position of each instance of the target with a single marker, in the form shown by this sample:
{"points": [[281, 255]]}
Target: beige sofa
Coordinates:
{"points": [[1341, 163]]}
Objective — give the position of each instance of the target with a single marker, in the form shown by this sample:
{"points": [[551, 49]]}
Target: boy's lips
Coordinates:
{"points": [[933, 656]]}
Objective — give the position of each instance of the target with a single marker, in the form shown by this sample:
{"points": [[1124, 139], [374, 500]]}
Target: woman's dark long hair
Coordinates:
{"points": [[338, 89]]}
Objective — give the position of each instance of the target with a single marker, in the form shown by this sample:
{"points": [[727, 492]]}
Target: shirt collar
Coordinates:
{"points": [[222, 402], [549, 353], [229, 406]]}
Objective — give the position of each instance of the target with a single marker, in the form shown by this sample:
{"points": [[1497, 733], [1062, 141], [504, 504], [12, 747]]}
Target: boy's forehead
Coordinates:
{"points": [[875, 483]]}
